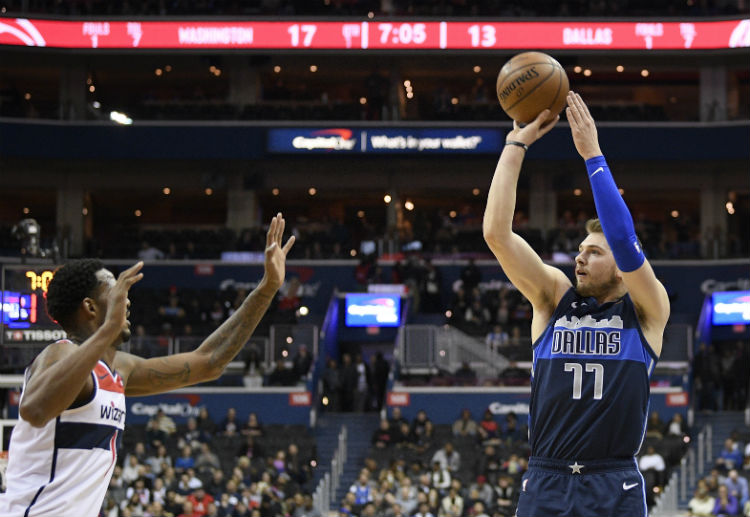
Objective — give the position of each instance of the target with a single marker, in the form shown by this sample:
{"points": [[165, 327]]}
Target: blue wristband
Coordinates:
{"points": [[614, 216]]}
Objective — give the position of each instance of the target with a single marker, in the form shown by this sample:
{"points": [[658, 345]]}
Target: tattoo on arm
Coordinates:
{"points": [[227, 340], [159, 378]]}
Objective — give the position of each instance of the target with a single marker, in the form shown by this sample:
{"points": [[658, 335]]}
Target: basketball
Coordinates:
{"points": [[529, 83]]}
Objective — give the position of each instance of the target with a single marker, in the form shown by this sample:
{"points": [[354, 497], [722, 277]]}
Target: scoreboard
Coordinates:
{"points": [[23, 293], [481, 35]]}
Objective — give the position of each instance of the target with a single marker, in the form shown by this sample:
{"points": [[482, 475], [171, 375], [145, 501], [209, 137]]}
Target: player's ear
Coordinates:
{"points": [[90, 307]]}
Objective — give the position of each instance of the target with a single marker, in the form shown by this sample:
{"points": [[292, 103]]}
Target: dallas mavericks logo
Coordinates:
{"points": [[587, 336]]}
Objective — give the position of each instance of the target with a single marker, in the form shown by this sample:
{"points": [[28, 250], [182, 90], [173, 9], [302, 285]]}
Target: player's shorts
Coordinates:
{"points": [[601, 488]]}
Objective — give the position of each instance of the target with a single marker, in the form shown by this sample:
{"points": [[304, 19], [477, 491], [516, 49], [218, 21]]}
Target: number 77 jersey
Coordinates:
{"points": [[590, 381]]}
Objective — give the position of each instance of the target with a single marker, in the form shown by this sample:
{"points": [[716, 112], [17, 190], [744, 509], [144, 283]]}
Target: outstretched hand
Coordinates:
{"points": [[117, 302], [275, 260], [582, 127], [534, 130]]}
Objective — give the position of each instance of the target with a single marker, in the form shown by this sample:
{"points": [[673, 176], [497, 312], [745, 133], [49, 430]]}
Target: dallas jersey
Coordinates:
{"points": [[63, 469], [590, 381]]}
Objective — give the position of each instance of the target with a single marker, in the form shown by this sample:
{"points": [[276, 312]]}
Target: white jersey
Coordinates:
{"points": [[63, 469]]}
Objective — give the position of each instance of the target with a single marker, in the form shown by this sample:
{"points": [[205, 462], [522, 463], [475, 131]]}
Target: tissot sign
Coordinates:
{"points": [[383, 140], [390, 34]]}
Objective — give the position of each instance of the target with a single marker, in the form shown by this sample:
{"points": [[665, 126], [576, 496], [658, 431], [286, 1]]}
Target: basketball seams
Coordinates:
{"points": [[553, 65], [557, 94], [536, 86]]}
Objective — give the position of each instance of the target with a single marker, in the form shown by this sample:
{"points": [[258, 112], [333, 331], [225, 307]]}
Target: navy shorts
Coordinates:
{"points": [[601, 488]]}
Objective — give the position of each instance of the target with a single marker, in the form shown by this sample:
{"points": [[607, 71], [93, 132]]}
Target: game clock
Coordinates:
{"points": [[24, 313]]}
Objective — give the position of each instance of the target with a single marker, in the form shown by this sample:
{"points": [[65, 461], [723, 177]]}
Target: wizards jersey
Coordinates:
{"points": [[590, 381], [63, 469]]}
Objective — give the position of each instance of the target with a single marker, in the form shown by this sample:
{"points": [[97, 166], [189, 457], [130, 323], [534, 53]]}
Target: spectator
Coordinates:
{"points": [[483, 490], [488, 429], [187, 510], [229, 426], [397, 418], [306, 509], [332, 386], [139, 489], [726, 505], [512, 433], [424, 441], [448, 458], [423, 511], [132, 470], [206, 461], [200, 501], [655, 426], [419, 423], [282, 375], [441, 478], [452, 505], [702, 504], [706, 372], [464, 426], [148, 252], [250, 449], [185, 461], [497, 338], [362, 490], [505, 496], [714, 480], [730, 456], [489, 464], [737, 486], [205, 423], [296, 466], [159, 461], [192, 435], [380, 372], [253, 427], [432, 280], [677, 426], [470, 276], [403, 437], [652, 466], [381, 437], [302, 362], [363, 393], [478, 510], [349, 378], [465, 375]]}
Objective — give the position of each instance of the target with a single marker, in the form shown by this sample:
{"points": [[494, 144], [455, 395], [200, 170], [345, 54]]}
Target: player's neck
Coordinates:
{"points": [[79, 336], [612, 296]]}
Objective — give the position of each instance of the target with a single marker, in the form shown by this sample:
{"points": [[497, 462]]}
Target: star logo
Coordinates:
{"points": [[576, 468]]}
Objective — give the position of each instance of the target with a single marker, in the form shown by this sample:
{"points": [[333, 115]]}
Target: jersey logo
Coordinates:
{"points": [[625, 486], [576, 468], [102, 377], [615, 322]]}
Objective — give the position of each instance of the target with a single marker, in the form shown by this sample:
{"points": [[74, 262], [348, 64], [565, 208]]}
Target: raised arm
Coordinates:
{"points": [[543, 285], [648, 294], [207, 362], [61, 374]]}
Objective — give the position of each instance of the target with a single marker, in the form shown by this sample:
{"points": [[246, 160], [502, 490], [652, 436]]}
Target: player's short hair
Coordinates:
{"points": [[595, 226], [69, 286]]}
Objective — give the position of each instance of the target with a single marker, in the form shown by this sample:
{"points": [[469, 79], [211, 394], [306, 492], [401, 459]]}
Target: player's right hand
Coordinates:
{"points": [[117, 300], [534, 130]]}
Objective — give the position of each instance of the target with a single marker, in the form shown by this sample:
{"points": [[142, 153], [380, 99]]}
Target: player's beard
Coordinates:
{"points": [[125, 335], [598, 291]]}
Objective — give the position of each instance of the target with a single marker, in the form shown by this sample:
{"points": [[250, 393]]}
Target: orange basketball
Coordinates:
{"points": [[529, 83]]}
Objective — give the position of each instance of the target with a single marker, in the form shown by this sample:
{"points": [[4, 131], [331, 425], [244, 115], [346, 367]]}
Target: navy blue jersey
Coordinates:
{"points": [[590, 381]]}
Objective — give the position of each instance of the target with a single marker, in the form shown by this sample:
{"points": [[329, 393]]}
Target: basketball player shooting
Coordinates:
{"points": [[595, 344], [72, 410]]}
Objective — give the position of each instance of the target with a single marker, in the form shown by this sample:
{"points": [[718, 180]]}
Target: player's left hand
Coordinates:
{"points": [[582, 127], [534, 130], [275, 259]]}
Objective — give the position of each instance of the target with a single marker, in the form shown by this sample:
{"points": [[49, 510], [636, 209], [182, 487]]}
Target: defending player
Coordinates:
{"points": [[595, 344], [72, 410]]}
